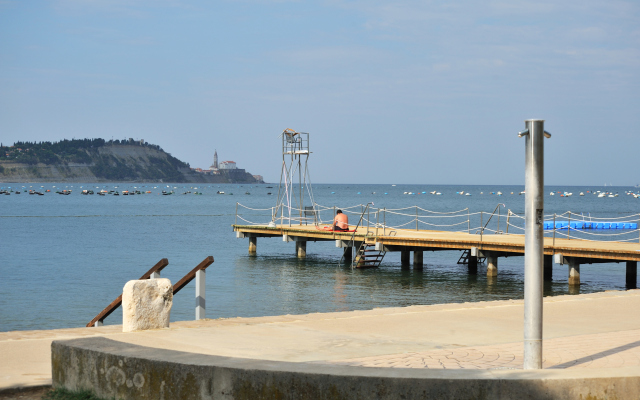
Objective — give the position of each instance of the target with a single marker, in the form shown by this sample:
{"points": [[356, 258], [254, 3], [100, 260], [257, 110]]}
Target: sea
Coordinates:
{"points": [[63, 258]]}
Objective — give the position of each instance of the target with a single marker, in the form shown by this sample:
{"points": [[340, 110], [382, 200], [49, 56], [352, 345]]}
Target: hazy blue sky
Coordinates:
{"points": [[391, 92]]}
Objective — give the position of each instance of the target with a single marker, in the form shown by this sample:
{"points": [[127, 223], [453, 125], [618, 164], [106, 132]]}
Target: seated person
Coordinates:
{"points": [[340, 222]]}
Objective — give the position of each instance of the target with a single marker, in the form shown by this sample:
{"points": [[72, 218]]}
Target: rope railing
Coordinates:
{"points": [[431, 216], [437, 225], [255, 209], [438, 212], [515, 226], [569, 225]]}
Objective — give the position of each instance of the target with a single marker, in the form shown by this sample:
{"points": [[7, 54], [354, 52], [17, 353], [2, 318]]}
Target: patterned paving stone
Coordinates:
{"points": [[605, 350]]}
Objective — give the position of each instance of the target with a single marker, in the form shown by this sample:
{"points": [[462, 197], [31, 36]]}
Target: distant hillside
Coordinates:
{"points": [[97, 160]]}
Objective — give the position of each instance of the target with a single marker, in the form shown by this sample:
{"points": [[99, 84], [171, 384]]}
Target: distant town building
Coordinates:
{"points": [[228, 165], [214, 166], [227, 168]]}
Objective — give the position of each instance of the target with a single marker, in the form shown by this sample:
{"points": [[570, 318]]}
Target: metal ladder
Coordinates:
{"points": [[367, 256], [464, 258]]}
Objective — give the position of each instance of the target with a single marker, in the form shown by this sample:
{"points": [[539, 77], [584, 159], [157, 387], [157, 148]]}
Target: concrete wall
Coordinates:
{"points": [[124, 371]]}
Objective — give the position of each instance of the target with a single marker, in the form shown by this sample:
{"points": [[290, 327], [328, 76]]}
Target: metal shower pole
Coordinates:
{"points": [[533, 241]]}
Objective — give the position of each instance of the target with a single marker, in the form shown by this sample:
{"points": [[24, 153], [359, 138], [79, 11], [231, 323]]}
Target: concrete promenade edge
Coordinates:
{"points": [[115, 369], [594, 337]]}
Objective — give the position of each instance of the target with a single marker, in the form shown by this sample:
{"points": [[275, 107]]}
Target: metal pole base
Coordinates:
{"points": [[532, 354]]}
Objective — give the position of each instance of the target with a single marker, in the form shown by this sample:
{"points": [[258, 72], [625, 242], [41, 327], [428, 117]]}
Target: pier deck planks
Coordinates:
{"points": [[443, 240]]}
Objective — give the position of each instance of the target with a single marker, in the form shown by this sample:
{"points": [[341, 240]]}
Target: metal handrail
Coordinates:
{"points": [[149, 274], [192, 274], [98, 319], [494, 211], [353, 235]]}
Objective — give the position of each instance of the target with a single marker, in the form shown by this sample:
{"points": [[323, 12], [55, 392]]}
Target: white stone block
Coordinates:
{"points": [[146, 304]]}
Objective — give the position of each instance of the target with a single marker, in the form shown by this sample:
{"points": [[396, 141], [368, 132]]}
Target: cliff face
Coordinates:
{"points": [[116, 163]]}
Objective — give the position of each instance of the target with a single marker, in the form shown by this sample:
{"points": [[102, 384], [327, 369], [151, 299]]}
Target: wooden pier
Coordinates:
{"points": [[571, 252]]}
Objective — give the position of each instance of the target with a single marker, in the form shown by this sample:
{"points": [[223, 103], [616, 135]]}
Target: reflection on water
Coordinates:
{"points": [[492, 282], [574, 289], [283, 284]]}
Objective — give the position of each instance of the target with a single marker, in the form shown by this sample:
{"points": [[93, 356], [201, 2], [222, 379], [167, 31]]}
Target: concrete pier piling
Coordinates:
{"points": [[632, 274], [473, 264], [492, 264], [348, 254], [253, 246], [301, 249], [574, 272], [417, 259], [548, 267], [405, 255]]}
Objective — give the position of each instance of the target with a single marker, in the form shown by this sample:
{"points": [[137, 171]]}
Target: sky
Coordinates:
{"points": [[420, 92]]}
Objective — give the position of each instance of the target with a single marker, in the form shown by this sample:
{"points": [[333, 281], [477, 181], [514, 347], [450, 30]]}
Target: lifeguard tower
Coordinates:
{"points": [[295, 182]]}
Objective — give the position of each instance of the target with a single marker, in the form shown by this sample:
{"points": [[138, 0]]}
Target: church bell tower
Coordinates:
{"points": [[215, 160]]}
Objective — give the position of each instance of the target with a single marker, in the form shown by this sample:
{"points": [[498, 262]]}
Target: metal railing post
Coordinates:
{"points": [[198, 274], [569, 227], [201, 307], [468, 221], [236, 213], [416, 218], [508, 216], [554, 232], [481, 226], [384, 223]]}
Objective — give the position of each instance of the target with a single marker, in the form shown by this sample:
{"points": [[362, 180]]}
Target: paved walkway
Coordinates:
{"points": [[599, 330], [603, 350]]}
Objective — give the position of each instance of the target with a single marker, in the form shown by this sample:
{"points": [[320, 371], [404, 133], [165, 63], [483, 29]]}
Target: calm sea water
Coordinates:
{"points": [[64, 258]]}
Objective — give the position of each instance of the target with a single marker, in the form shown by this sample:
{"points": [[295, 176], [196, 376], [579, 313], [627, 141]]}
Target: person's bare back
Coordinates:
{"points": [[340, 222]]}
